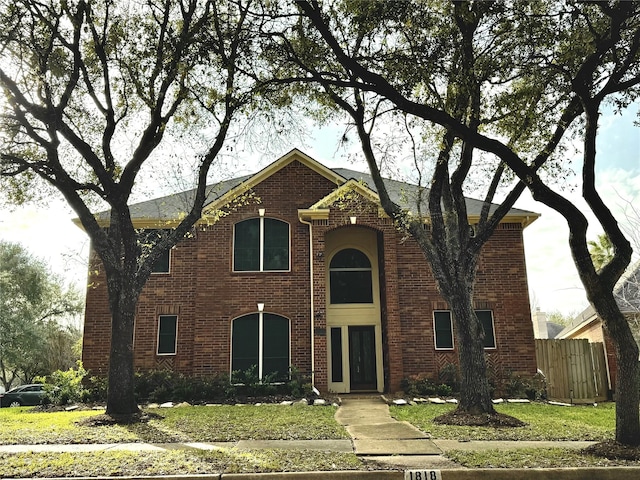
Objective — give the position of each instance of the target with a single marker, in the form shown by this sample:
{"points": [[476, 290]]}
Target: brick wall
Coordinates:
{"points": [[206, 294]]}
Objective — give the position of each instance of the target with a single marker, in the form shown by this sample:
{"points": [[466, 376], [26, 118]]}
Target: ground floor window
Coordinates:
{"points": [[486, 319], [261, 341], [443, 329], [167, 334]]}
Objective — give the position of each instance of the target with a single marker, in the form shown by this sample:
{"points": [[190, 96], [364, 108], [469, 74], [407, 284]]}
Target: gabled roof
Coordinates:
{"points": [[627, 295], [167, 211], [406, 195]]}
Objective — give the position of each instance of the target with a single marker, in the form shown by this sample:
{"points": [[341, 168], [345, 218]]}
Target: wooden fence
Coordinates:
{"points": [[575, 370]]}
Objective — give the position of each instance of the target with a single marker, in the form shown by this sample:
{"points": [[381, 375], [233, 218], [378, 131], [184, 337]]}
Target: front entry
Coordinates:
{"points": [[362, 358], [354, 353]]}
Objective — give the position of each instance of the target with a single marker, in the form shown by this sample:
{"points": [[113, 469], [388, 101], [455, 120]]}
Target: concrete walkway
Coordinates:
{"points": [[380, 439], [375, 432]]}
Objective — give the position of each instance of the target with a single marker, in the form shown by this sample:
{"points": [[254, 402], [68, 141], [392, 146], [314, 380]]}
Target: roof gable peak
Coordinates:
{"points": [[288, 158]]}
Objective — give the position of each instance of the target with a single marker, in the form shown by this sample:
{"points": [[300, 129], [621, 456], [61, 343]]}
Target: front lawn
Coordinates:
{"points": [[185, 424], [533, 458], [171, 462], [545, 422], [232, 423]]}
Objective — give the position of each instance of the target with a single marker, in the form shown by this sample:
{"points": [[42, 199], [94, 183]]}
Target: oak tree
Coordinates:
{"points": [[507, 79], [91, 93]]}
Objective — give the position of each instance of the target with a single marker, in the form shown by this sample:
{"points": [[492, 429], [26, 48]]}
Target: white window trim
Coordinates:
{"points": [[493, 329], [261, 236], [260, 341], [175, 346], [453, 337]]}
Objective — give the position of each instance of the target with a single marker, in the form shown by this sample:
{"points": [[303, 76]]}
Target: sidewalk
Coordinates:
{"points": [[380, 441]]}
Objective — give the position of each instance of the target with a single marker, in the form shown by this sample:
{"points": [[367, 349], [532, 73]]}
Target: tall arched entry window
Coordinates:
{"points": [[350, 277], [354, 326]]}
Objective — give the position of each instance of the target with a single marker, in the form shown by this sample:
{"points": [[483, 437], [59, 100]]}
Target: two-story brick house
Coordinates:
{"points": [[298, 265]]}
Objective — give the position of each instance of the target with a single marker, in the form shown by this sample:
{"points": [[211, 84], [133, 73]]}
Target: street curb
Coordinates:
{"points": [[596, 473]]}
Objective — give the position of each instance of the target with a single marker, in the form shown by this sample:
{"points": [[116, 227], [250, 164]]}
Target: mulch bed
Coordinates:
{"points": [[497, 420], [614, 451], [104, 419]]}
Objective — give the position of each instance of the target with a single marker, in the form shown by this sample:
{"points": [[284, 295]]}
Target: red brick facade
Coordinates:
{"points": [[206, 295]]}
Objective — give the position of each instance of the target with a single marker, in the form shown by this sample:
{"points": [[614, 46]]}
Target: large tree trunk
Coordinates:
{"points": [[627, 378], [120, 395], [475, 394]]}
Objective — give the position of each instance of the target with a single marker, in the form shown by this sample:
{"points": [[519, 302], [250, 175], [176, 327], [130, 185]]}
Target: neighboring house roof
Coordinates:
{"points": [[553, 329], [627, 295], [171, 208]]}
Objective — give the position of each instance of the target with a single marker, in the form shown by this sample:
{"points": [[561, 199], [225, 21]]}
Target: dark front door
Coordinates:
{"points": [[362, 358]]}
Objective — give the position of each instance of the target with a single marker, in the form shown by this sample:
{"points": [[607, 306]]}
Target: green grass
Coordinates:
{"points": [[532, 458], [265, 422], [24, 426], [189, 424], [171, 462], [545, 422], [232, 423]]}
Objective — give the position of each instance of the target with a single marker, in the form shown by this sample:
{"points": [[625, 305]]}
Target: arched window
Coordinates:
{"points": [[350, 277], [261, 340], [261, 244]]}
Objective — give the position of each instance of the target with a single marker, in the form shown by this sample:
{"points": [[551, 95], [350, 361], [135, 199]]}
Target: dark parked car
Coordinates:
{"points": [[24, 395]]}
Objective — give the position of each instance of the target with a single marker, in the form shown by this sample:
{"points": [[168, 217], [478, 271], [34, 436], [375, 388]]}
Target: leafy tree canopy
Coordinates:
{"points": [[34, 304]]}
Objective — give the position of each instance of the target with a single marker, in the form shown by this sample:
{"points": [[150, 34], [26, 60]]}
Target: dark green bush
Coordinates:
{"points": [[165, 385], [450, 375], [444, 390], [418, 385]]}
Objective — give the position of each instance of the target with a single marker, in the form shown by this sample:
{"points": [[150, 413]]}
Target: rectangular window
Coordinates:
{"points": [[246, 246], [486, 319], [336, 354], [443, 329], [275, 346], [162, 264], [276, 245], [167, 334], [245, 343]]}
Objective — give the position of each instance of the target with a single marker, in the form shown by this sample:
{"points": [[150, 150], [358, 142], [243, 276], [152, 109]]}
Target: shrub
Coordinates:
{"points": [[299, 385], [450, 375], [418, 385], [96, 388], [165, 385], [533, 388], [444, 390], [63, 387]]}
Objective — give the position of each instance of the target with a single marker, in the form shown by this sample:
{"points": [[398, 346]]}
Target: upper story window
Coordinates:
{"points": [[261, 244], [148, 239], [162, 264], [350, 277]]}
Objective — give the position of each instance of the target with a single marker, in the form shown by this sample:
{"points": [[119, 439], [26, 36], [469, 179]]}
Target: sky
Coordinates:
{"points": [[47, 231]]}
